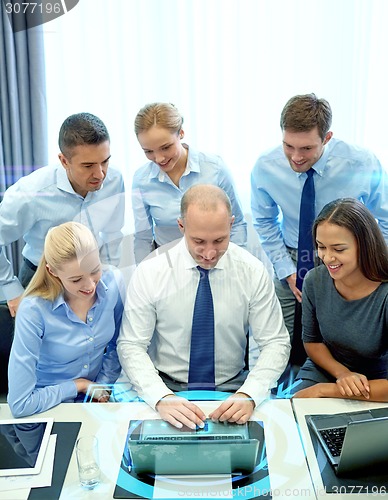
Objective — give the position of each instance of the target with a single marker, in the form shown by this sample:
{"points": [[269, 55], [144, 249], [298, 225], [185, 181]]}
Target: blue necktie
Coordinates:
{"points": [[201, 367], [306, 220]]}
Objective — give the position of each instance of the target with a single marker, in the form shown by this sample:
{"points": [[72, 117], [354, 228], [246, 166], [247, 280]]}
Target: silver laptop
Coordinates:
{"points": [[353, 440], [219, 448]]}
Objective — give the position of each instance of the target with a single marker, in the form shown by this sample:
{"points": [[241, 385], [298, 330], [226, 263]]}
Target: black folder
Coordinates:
{"points": [[67, 433]]}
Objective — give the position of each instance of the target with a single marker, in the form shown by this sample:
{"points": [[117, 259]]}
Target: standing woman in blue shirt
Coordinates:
{"points": [[66, 326], [173, 167]]}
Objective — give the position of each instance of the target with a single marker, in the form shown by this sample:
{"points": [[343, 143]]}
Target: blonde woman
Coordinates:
{"points": [[173, 167], [66, 326]]}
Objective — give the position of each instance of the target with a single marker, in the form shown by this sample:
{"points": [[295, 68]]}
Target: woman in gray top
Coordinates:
{"points": [[345, 307]]}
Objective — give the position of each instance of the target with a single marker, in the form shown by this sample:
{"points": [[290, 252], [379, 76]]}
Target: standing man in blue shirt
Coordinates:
{"points": [[340, 170], [80, 188]]}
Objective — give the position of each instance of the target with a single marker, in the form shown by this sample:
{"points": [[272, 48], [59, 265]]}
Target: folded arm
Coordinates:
{"points": [[378, 391], [349, 383]]}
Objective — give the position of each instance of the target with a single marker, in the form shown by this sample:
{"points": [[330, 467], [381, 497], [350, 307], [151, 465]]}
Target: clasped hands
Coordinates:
{"points": [[349, 384], [179, 411], [99, 395]]}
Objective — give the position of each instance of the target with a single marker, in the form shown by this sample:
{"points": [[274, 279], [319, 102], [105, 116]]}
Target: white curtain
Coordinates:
{"points": [[229, 65]]}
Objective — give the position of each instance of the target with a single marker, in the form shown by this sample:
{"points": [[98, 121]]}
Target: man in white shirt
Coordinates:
{"points": [[154, 343]]}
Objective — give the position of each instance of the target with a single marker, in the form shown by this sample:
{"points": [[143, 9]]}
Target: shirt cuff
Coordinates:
{"points": [[12, 290], [284, 268], [153, 398], [68, 390], [258, 396]]}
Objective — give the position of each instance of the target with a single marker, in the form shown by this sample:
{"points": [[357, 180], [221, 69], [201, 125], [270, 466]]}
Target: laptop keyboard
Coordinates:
{"points": [[195, 437], [334, 439]]}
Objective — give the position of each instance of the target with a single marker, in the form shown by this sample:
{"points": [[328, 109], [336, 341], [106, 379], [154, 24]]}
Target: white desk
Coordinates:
{"points": [[289, 476], [304, 407]]}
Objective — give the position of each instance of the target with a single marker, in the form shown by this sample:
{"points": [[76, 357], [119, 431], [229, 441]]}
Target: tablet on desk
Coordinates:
{"points": [[23, 444]]}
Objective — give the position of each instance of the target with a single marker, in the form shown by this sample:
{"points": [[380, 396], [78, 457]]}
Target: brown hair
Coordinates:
{"points": [[304, 112], [356, 218]]}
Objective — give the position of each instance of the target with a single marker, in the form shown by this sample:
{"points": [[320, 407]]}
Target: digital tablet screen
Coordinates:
{"points": [[23, 444]]}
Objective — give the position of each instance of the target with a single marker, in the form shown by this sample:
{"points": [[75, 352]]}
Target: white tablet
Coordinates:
{"points": [[23, 444]]}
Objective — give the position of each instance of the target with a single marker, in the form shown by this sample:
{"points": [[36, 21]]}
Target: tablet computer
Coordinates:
{"points": [[23, 444]]}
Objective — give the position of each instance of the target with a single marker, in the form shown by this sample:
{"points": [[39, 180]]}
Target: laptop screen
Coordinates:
{"points": [[352, 440]]}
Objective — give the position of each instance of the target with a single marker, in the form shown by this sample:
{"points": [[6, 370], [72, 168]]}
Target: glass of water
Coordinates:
{"points": [[88, 461]]}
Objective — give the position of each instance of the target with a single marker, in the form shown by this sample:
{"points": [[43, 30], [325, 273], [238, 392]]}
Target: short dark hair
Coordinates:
{"points": [[356, 218], [81, 129], [304, 112]]}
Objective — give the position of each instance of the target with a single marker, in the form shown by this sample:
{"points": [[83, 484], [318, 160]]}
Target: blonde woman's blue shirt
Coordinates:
{"points": [[53, 346], [45, 198]]}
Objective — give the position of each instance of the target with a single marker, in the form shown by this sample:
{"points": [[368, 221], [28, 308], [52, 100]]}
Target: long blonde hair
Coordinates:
{"points": [[63, 243]]}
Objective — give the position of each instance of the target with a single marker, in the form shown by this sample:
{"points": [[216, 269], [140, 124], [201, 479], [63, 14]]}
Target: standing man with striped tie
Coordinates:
{"points": [[285, 200], [189, 308]]}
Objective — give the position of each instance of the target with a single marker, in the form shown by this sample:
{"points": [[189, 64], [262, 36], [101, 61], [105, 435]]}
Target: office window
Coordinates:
{"points": [[229, 65]]}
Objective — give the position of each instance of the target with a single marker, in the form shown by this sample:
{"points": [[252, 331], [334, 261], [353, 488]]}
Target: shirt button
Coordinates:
{"points": [[90, 318], [85, 366], [91, 339]]}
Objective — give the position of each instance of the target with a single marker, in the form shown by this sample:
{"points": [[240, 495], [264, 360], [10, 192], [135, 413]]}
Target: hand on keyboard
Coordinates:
{"points": [[178, 412], [237, 408]]}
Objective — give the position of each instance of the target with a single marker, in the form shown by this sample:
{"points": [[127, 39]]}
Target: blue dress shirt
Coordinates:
{"points": [[45, 198], [156, 200], [53, 346], [343, 171]]}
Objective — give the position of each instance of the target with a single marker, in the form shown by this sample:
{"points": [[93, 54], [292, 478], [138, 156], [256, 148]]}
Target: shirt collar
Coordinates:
{"points": [[64, 184], [100, 292], [190, 263], [192, 159], [192, 166], [320, 165]]}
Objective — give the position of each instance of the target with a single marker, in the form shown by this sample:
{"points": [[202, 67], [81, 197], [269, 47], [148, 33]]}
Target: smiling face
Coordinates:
{"points": [[303, 149], [79, 278], [207, 233], [337, 248], [87, 167], [164, 148]]}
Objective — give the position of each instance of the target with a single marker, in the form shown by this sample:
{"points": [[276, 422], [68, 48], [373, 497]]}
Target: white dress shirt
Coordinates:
{"points": [[156, 328]]}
